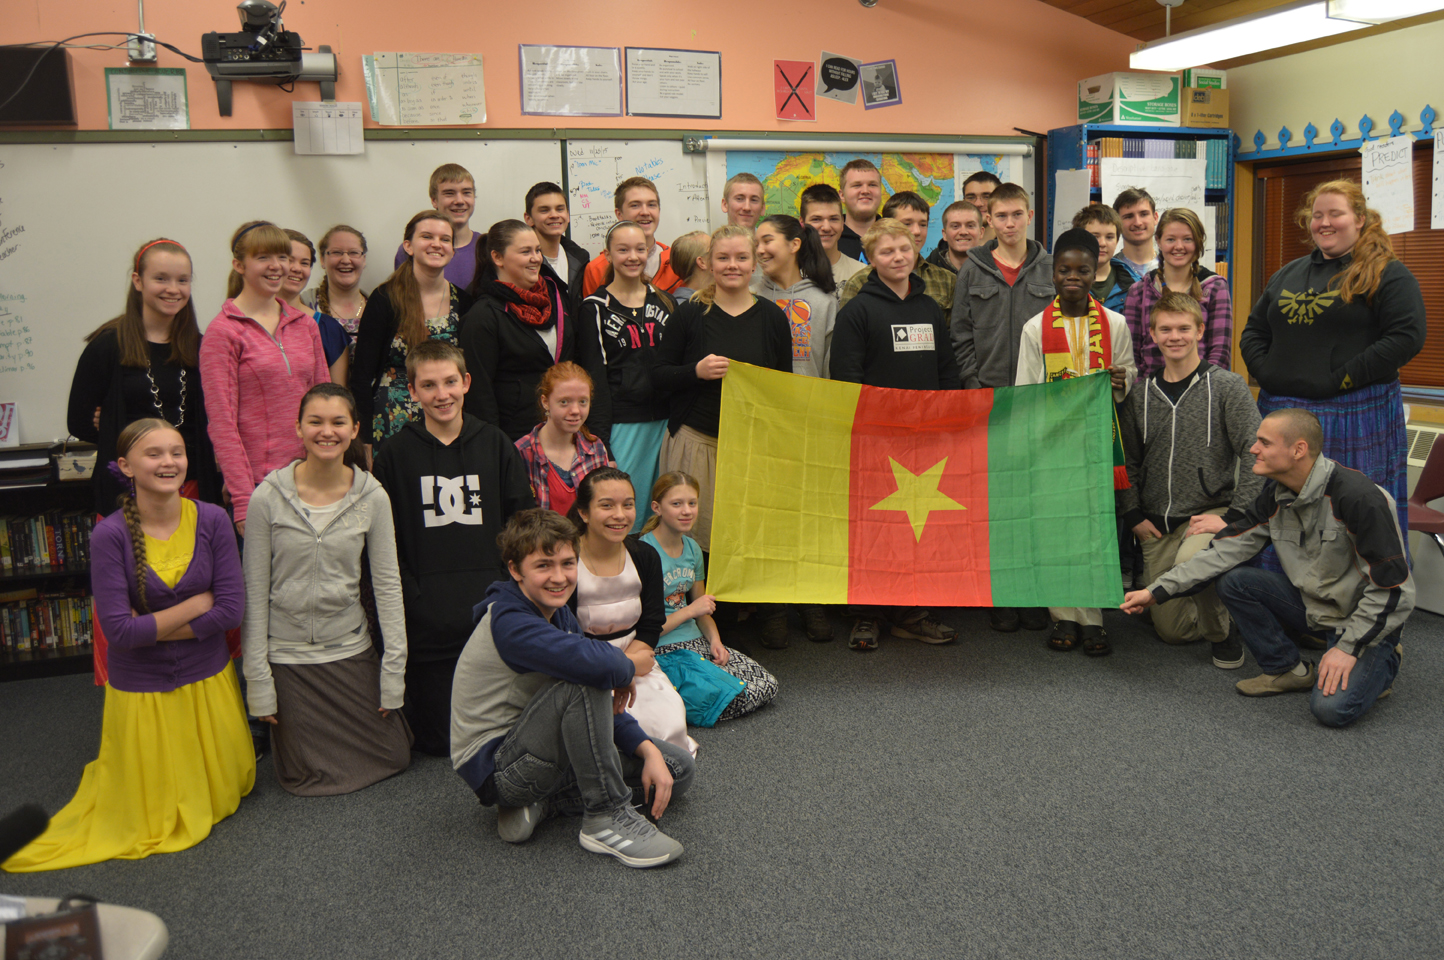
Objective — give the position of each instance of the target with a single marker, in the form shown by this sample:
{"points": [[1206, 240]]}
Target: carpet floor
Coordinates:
{"points": [[988, 798]]}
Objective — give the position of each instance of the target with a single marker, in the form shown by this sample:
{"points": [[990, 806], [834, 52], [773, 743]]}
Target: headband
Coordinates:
{"points": [[617, 226], [246, 230], [153, 243]]}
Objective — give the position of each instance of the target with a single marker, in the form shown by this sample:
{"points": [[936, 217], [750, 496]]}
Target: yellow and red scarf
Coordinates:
{"points": [[1086, 355]]}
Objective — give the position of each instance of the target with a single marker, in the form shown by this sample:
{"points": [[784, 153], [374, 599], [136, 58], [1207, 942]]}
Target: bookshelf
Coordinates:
{"points": [[46, 592], [1082, 145]]}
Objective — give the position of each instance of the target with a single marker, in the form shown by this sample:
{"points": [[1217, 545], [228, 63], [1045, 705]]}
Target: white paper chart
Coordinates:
{"points": [[1389, 181], [674, 83], [571, 81], [327, 128], [425, 89], [1436, 216]]}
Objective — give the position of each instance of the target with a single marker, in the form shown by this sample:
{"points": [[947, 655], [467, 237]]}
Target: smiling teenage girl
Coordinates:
{"points": [[311, 670], [175, 756], [624, 323], [619, 597], [1332, 330], [722, 322], [258, 358], [415, 304], [145, 363], [560, 450], [517, 329], [1180, 243]]}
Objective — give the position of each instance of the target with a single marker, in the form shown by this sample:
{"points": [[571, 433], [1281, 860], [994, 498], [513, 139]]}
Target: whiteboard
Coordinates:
{"points": [[595, 167], [73, 214]]}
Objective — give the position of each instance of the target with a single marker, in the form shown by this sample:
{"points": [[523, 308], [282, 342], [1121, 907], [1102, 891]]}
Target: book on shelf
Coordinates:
{"points": [[1215, 153], [56, 541], [37, 621]]}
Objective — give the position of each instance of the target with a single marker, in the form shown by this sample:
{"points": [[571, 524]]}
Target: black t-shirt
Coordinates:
{"points": [[1175, 390]]}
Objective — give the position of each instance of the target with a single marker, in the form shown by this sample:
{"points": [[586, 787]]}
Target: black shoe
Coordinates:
{"points": [[773, 634], [1228, 653], [1003, 619], [1034, 618]]}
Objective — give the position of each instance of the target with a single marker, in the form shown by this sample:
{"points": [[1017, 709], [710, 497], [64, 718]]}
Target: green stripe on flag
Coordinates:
{"points": [[1052, 530]]}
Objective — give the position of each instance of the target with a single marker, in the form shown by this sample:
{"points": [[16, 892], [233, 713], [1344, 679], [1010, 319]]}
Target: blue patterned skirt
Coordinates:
{"points": [[1364, 430]]}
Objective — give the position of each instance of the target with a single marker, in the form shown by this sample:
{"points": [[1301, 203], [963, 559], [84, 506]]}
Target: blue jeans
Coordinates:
{"points": [[561, 750], [1263, 603]]}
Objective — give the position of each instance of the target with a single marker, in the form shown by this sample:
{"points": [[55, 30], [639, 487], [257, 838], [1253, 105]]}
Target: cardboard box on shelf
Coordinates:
{"points": [[1207, 107], [1206, 78], [1137, 99]]}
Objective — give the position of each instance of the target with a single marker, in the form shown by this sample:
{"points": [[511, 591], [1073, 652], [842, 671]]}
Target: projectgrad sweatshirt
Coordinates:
{"points": [[1303, 340], [883, 340], [449, 502], [510, 655]]}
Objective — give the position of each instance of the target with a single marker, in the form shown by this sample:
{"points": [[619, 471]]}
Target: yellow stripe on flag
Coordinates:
{"points": [[780, 512]]}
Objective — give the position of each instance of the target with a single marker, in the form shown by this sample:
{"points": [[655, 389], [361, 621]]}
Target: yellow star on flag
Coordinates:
{"points": [[917, 494]]}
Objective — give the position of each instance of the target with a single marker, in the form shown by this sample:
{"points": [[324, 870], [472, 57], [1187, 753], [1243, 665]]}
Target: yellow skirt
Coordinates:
{"points": [[170, 766]]}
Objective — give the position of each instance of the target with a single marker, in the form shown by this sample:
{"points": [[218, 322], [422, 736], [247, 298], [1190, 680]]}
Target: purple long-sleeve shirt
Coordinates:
{"points": [[1216, 345], [138, 662]]}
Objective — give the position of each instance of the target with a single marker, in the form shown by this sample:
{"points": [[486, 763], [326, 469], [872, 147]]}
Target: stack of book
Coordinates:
{"points": [[27, 465], [37, 621], [52, 542]]}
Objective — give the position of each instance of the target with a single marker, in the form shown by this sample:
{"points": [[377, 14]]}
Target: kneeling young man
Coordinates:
{"points": [[539, 724], [1337, 537]]}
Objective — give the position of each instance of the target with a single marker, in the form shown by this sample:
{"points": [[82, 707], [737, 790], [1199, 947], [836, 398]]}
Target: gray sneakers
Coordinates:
{"points": [[517, 824], [925, 629], [625, 834]]}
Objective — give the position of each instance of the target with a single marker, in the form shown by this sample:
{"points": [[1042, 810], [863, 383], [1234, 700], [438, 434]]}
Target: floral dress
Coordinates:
{"points": [[394, 406]]}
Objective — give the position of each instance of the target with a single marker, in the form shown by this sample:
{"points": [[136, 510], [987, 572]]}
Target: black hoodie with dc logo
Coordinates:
{"points": [[449, 501]]}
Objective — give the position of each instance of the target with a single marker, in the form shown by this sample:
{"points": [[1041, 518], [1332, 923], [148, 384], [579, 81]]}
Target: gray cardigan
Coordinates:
{"points": [[303, 585], [1194, 456]]}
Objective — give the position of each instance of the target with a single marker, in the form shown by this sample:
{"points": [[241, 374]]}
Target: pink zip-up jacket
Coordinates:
{"points": [[253, 386]]}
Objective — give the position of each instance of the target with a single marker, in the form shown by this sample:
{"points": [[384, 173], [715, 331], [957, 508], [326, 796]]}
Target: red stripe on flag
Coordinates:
{"points": [[920, 461]]}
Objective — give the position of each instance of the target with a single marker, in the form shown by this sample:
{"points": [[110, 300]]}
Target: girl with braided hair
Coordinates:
{"points": [[175, 755]]}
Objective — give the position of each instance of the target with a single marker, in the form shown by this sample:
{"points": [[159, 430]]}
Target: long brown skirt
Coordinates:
{"points": [[330, 737], [692, 451]]}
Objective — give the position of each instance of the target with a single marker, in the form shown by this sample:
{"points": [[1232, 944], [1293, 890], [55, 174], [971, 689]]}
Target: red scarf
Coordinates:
{"points": [[535, 309], [1095, 355]]}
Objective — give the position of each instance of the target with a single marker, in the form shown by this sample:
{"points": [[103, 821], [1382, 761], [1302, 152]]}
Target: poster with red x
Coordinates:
{"points": [[795, 89]]}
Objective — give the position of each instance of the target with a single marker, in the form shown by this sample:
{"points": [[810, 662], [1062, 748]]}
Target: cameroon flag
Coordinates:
{"points": [[832, 492]]}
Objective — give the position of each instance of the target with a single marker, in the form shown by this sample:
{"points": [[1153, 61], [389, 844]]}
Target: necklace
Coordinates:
{"points": [[155, 396]]}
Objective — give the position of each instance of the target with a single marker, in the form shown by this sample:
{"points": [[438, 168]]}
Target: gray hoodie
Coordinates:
{"points": [[1190, 457], [811, 316], [988, 314], [303, 585]]}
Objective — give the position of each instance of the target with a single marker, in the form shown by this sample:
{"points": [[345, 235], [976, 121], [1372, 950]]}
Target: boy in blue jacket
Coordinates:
{"points": [[539, 724]]}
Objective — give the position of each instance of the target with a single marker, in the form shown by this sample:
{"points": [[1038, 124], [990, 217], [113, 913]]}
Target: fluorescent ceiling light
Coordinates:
{"points": [[1279, 27], [1381, 11]]}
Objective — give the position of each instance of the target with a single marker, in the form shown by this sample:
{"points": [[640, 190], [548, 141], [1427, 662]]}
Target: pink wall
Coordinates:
{"points": [[965, 66]]}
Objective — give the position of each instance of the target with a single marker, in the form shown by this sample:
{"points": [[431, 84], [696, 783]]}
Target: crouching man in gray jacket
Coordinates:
{"points": [[1338, 540]]}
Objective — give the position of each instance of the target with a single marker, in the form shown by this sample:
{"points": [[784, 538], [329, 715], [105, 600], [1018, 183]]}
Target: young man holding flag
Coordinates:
{"points": [[1076, 336]]}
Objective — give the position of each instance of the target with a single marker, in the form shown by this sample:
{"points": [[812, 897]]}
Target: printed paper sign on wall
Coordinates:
{"points": [[794, 89]]}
